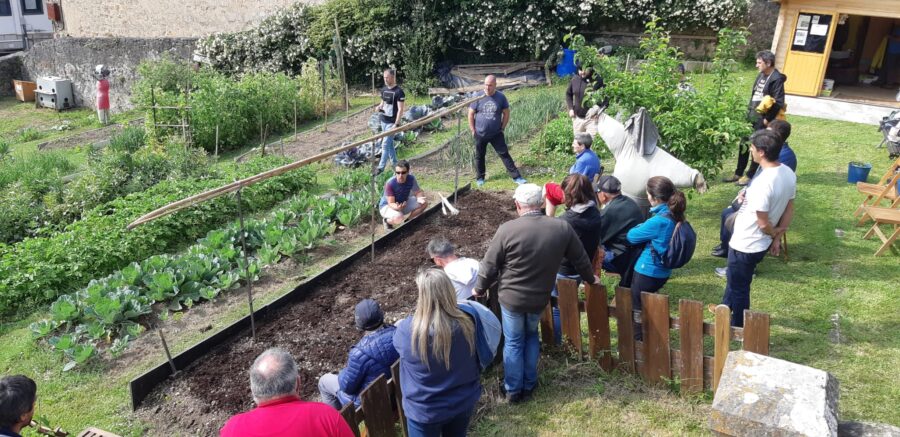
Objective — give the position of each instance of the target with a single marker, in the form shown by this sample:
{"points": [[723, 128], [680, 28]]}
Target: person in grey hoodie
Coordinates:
{"points": [[462, 271]]}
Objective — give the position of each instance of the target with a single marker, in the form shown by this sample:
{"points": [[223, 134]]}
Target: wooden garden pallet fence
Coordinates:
{"points": [[381, 407], [654, 358]]}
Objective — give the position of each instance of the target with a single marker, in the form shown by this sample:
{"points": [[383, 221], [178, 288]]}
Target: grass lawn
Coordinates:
{"points": [[833, 306]]}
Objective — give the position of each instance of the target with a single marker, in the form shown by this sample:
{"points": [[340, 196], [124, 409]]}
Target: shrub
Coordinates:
{"points": [[557, 136], [701, 128], [36, 270]]}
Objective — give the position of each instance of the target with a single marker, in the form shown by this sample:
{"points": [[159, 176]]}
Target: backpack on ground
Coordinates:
{"points": [[681, 246]]}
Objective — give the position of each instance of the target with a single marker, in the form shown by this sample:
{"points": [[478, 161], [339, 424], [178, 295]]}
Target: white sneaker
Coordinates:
{"points": [[722, 272]]}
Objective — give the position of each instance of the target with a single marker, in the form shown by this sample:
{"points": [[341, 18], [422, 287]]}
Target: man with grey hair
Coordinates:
{"points": [[523, 257], [462, 271], [586, 162], [766, 104], [275, 385]]}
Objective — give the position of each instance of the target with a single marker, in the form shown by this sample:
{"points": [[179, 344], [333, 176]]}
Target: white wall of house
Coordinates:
{"points": [[165, 18]]}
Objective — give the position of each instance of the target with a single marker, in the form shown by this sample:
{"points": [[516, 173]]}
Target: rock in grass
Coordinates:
{"points": [[761, 395]]}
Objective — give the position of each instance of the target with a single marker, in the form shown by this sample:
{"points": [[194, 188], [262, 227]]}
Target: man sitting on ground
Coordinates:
{"points": [[275, 385], [17, 397], [402, 198], [372, 356], [619, 214], [586, 163], [462, 271]]}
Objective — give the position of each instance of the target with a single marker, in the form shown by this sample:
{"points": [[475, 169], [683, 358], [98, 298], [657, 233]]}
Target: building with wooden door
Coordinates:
{"points": [[850, 45]]}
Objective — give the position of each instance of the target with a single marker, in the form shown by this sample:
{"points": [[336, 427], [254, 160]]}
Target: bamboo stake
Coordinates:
{"points": [[295, 118], [456, 159], [374, 208], [324, 96], [246, 265], [153, 102], [216, 153], [340, 58], [234, 186], [166, 349]]}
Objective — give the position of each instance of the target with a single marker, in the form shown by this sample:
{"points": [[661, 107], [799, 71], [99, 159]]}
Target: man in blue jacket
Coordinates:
{"points": [[371, 357]]}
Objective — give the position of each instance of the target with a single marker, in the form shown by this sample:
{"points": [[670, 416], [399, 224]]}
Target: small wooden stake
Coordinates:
{"points": [[166, 349], [374, 207], [216, 154], [246, 265], [295, 119], [456, 159]]}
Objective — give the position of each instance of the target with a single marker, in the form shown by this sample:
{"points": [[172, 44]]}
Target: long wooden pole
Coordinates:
{"points": [[234, 186], [246, 265]]}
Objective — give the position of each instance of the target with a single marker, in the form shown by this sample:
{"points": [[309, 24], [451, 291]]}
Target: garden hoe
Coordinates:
{"points": [[446, 207]]}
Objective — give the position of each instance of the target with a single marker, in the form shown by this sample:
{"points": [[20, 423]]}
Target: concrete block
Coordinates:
{"points": [[764, 396]]}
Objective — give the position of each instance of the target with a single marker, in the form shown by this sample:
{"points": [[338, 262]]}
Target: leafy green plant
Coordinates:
{"points": [[557, 136], [29, 134], [702, 129]]}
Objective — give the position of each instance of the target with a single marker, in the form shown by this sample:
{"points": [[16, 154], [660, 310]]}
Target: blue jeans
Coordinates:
{"points": [[387, 147], [557, 324], [737, 286], [724, 231], [521, 350], [456, 426]]}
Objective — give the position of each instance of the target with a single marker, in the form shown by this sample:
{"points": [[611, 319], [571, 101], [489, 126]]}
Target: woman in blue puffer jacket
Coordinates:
{"points": [[372, 356], [667, 206]]}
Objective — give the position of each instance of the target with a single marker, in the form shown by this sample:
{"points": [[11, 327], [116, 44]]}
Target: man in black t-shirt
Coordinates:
{"points": [[393, 102]]}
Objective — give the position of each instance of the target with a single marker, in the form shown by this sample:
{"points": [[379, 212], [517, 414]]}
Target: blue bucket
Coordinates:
{"points": [[566, 67], [858, 172]]}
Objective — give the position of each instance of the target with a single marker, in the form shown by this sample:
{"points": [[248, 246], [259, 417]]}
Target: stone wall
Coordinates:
{"points": [[75, 59], [10, 69], [165, 18], [762, 19]]}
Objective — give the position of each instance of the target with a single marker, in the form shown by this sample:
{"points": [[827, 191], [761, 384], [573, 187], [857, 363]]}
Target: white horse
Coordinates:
{"points": [[634, 169]]}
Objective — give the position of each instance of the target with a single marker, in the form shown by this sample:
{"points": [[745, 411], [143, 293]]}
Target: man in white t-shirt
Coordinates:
{"points": [[463, 272], [765, 214]]}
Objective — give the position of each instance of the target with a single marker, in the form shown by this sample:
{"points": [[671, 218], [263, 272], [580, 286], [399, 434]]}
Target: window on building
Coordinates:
{"points": [[32, 7], [5, 8]]}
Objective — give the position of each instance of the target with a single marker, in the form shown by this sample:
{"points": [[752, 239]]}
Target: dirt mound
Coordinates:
{"points": [[318, 330]]}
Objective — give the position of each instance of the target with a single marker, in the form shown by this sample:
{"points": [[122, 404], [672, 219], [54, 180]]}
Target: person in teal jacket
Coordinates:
{"points": [[667, 206]]}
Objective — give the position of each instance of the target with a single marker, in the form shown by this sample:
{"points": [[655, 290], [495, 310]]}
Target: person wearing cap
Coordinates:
{"points": [[582, 114], [523, 257], [619, 214], [462, 271], [372, 356], [586, 163]]}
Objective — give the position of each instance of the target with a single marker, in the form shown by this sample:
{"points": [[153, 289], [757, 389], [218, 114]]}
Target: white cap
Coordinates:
{"points": [[529, 195]]}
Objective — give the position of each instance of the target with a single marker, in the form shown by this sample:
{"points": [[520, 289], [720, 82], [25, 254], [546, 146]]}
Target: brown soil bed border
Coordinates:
{"points": [[141, 386]]}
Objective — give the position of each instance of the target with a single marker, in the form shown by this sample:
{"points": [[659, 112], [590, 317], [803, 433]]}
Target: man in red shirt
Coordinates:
{"points": [[275, 384]]}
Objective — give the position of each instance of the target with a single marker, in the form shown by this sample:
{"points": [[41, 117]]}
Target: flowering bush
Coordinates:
{"points": [[379, 33], [701, 127]]}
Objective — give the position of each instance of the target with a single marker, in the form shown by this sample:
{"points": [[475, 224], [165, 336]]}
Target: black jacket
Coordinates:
{"points": [[619, 215], [587, 226], [575, 93], [774, 87]]}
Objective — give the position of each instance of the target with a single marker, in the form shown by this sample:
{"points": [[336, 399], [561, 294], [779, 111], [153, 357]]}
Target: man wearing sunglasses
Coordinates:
{"points": [[402, 197]]}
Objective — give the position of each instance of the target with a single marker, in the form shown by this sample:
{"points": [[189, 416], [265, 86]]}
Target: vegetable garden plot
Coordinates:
{"points": [[318, 330]]}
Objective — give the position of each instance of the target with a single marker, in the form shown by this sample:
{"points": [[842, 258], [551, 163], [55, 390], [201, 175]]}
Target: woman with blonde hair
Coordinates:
{"points": [[439, 369]]}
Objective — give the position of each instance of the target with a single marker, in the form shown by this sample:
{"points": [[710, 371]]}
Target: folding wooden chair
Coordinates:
{"points": [[884, 216], [885, 189]]}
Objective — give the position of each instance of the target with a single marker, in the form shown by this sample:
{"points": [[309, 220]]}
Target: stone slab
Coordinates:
{"points": [[865, 429], [764, 396]]}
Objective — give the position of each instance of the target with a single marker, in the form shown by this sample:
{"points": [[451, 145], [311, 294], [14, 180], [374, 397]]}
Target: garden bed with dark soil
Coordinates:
{"points": [[318, 329]]}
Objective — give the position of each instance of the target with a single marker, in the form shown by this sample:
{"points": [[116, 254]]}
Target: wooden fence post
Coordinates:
{"points": [[598, 325], [624, 320], [722, 340], [690, 316], [398, 397], [655, 325], [349, 415], [756, 332], [376, 406], [547, 325], [569, 316]]}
